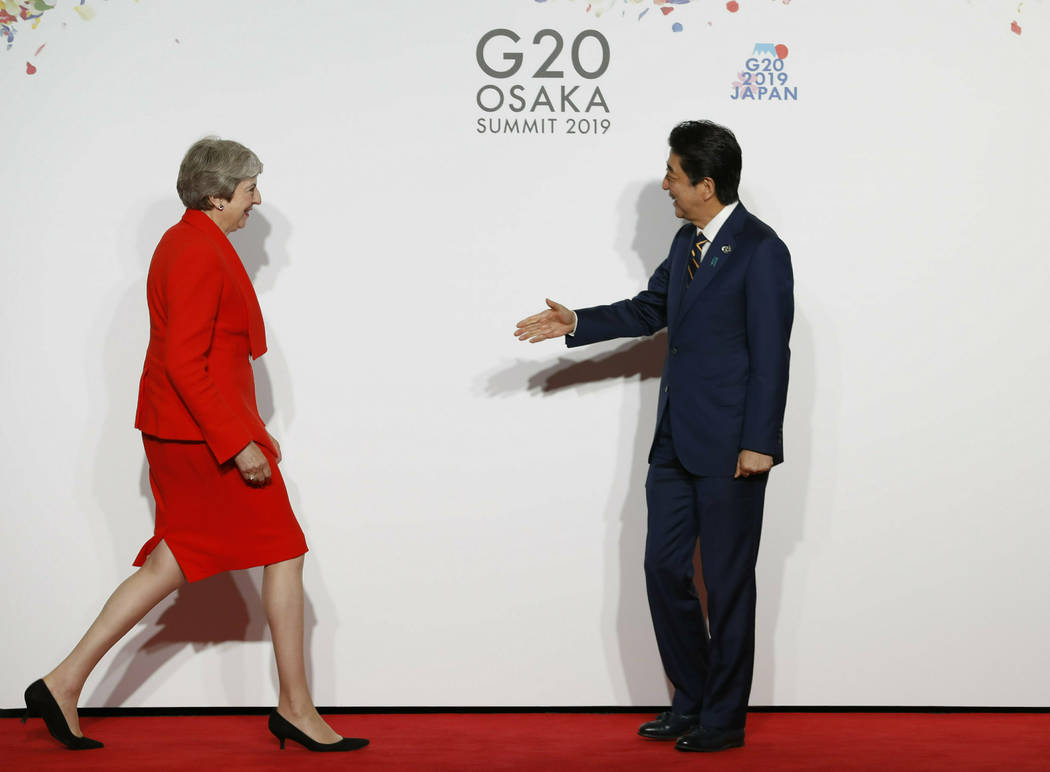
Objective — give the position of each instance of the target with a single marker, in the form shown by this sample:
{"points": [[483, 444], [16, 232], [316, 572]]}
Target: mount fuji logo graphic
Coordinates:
{"points": [[764, 77]]}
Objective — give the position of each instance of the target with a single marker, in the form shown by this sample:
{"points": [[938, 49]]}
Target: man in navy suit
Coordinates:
{"points": [[724, 293]]}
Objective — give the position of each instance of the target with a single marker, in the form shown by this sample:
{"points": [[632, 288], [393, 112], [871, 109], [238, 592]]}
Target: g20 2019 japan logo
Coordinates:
{"points": [[765, 77], [548, 86]]}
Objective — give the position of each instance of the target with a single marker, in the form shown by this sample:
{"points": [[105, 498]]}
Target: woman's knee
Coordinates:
{"points": [[292, 564], [161, 564]]}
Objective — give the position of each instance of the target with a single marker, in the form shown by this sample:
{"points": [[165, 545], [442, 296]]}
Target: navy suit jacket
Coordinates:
{"points": [[726, 373]]}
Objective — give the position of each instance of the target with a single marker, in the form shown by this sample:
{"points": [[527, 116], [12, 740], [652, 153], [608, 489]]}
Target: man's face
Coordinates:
{"points": [[689, 199]]}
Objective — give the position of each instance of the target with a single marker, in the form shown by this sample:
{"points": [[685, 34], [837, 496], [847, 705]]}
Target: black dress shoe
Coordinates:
{"points": [[707, 740], [40, 702], [669, 725], [283, 729]]}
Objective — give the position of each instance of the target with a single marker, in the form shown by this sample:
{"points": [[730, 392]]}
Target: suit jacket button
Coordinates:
{"points": [[666, 389], [674, 349]]}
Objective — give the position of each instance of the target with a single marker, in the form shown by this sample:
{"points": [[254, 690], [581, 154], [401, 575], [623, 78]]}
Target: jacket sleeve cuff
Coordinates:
{"points": [[226, 441]]}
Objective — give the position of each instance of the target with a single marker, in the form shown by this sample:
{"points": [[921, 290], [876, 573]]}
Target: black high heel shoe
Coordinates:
{"points": [[283, 729], [40, 702]]}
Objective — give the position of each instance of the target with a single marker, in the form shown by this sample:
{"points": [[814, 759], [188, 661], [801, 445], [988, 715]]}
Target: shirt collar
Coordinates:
{"points": [[710, 230]]}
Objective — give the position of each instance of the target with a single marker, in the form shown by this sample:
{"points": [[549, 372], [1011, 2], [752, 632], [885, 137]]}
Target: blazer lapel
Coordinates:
{"points": [[676, 289], [718, 254], [256, 328], [236, 271]]}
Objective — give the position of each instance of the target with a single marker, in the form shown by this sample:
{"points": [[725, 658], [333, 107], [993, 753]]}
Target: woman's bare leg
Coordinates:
{"points": [[135, 596], [283, 600]]}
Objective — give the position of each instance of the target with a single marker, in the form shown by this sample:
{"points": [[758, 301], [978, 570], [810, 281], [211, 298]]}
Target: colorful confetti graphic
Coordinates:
{"points": [[14, 14], [630, 8], [600, 7], [20, 16], [666, 7]]}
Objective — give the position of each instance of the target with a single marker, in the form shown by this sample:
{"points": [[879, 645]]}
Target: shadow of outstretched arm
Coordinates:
{"points": [[642, 359]]}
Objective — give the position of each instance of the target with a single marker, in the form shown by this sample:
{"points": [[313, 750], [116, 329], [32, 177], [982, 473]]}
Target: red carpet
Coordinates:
{"points": [[547, 741]]}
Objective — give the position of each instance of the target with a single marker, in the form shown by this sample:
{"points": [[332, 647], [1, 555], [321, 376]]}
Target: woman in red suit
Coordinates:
{"points": [[221, 501]]}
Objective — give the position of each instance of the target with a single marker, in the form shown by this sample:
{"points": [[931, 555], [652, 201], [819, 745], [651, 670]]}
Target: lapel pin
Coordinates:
{"points": [[726, 249]]}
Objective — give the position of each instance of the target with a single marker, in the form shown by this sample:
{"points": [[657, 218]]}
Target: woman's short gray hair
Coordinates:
{"points": [[214, 167]]}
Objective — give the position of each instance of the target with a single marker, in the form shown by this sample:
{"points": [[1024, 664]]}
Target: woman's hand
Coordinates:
{"points": [[253, 466], [276, 446]]}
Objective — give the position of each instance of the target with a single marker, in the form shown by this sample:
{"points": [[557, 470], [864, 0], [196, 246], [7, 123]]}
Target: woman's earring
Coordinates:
{"points": [[221, 207]]}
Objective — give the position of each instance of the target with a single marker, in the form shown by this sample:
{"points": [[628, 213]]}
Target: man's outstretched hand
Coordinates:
{"points": [[556, 321]]}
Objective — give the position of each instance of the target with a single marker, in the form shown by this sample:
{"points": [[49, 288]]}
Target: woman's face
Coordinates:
{"points": [[234, 213]]}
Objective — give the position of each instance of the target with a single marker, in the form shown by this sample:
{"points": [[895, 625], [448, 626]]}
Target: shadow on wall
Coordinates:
{"points": [[783, 522], [646, 225], [226, 607]]}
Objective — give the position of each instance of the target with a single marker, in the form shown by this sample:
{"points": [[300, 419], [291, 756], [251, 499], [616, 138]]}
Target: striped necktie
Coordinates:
{"points": [[695, 257]]}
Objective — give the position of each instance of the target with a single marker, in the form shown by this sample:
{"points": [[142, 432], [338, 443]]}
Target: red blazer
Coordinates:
{"points": [[205, 327]]}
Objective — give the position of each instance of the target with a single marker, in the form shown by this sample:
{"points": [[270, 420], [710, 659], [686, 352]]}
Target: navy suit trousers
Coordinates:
{"points": [[710, 667]]}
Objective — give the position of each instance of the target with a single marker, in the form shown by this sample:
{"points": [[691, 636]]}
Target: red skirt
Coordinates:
{"points": [[210, 518]]}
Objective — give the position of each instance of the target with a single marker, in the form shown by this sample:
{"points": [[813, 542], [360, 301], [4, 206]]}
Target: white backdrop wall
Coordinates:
{"points": [[475, 505]]}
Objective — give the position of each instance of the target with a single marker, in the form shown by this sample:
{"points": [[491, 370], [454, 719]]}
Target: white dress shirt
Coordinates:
{"points": [[712, 228]]}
